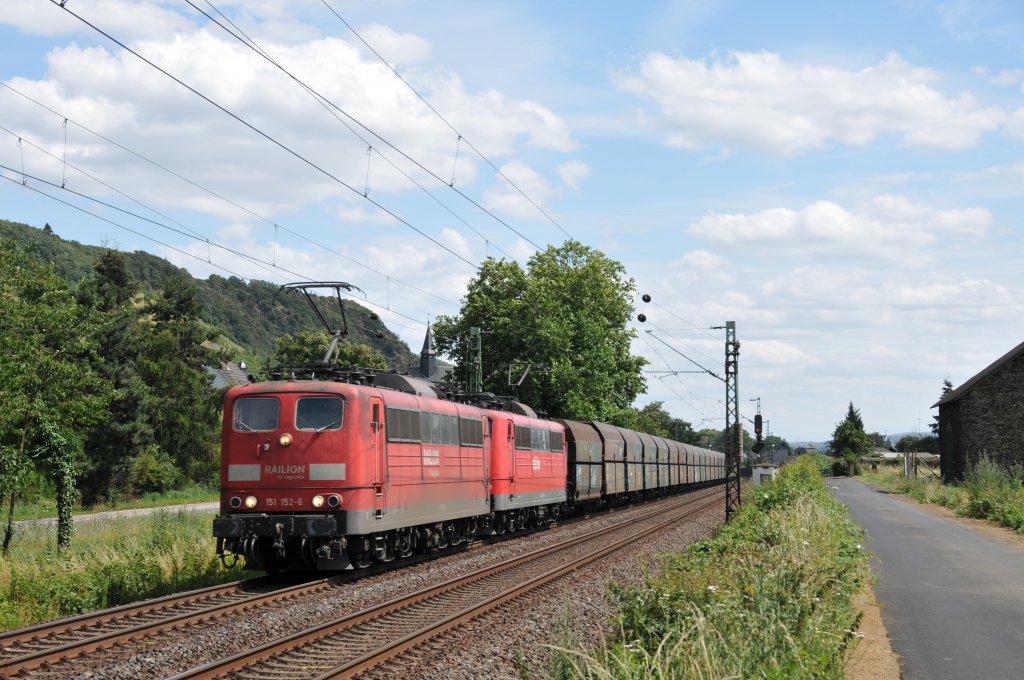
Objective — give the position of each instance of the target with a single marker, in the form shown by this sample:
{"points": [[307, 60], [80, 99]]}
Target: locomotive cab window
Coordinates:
{"points": [[256, 414], [319, 413]]}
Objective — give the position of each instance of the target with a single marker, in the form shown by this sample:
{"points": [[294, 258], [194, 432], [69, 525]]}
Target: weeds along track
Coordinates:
{"points": [[377, 636], [46, 643]]}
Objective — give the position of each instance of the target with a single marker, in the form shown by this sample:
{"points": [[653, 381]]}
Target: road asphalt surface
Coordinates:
{"points": [[952, 597]]}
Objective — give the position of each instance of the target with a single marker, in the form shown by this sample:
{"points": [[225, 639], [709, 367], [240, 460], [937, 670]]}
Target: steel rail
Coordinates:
{"points": [[50, 643], [218, 668], [46, 643]]}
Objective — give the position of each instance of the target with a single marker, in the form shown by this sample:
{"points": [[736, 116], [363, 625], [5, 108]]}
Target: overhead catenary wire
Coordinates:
{"points": [[689, 323], [265, 135], [460, 136], [63, 182], [703, 368], [328, 174], [657, 352], [331, 108], [251, 258], [684, 344], [223, 198], [113, 223]]}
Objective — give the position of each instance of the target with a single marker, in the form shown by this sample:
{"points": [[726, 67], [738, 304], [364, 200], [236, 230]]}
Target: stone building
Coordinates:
{"points": [[984, 417]]}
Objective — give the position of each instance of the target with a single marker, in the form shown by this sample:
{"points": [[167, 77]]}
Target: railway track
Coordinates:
{"points": [[372, 637], [25, 649], [44, 646], [47, 643]]}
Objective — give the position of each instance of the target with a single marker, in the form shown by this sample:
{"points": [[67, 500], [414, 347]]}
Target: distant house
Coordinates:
{"points": [[228, 375], [984, 417]]}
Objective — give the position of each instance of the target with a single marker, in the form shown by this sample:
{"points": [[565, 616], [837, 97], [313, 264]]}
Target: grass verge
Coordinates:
{"points": [[989, 491], [40, 506], [111, 562], [768, 597]]}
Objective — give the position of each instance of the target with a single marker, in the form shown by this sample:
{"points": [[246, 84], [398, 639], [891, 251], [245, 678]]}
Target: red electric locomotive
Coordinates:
{"points": [[339, 469], [329, 475], [321, 474]]}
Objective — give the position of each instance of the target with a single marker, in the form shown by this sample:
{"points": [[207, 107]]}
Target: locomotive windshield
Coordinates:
{"points": [[256, 414], [319, 413]]}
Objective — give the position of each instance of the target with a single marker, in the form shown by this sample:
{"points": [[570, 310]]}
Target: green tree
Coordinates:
{"points": [[49, 391], [849, 442], [184, 407], [307, 347], [919, 443], [654, 419], [878, 439], [111, 444], [947, 387], [566, 317]]}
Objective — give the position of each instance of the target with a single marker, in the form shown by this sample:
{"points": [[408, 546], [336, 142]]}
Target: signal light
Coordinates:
{"points": [[757, 424]]}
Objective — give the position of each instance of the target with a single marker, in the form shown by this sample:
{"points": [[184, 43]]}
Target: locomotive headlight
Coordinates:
{"points": [[250, 502], [333, 501], [318, 501], [285, 439], [235, 502]]}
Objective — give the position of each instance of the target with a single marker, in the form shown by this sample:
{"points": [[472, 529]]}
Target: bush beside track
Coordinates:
{"points": [[768, 597], [111, 562]]}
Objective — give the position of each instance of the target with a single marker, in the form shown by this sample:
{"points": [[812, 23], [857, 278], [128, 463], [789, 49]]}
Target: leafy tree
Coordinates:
{"points": [[878, 439], [172, 361], [128, 430], [710, 438], [924, 444], [49, 391], [849, 442], [565, 316], [309, 346], [947, 387], [654, 419], [165, 414]]}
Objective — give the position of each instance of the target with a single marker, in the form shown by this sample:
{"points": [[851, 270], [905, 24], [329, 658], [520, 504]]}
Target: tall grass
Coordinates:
{"points": [[37, 502], [768, 597], [989, 491], [111, 562]]}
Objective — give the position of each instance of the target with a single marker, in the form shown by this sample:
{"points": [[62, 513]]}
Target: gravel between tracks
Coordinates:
{"points": [[507, 644]]}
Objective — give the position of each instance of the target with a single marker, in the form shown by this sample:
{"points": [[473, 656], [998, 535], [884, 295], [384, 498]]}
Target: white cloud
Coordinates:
{"points": [[776, 353], [1010, 77], [885, 229], [505, 199], [1016, 124], [124, 20], [398, 48], [117, 95], [572, 173], [761, 101]]}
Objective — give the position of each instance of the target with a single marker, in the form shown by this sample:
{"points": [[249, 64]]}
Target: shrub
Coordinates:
{"points": [[769, 596], [153, 470], [111, 562]]}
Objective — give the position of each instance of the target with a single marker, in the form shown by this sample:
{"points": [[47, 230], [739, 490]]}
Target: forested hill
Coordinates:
{"points": [[251, 315]]}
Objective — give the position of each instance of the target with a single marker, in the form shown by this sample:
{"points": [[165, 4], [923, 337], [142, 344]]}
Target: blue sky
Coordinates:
{"points": [[845, 181]]}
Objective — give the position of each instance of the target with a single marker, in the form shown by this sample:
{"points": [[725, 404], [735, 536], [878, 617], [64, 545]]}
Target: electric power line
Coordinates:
{"points": [[461, 137], [265, 135]]}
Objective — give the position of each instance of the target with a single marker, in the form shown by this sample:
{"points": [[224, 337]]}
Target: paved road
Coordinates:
{"points": [[952, 597]]}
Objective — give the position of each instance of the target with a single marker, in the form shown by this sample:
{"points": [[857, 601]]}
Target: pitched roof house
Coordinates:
{"points": [[984, 417]]}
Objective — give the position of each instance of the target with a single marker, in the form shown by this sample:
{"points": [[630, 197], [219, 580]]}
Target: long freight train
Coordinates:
{"points": [[325, 474]]}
